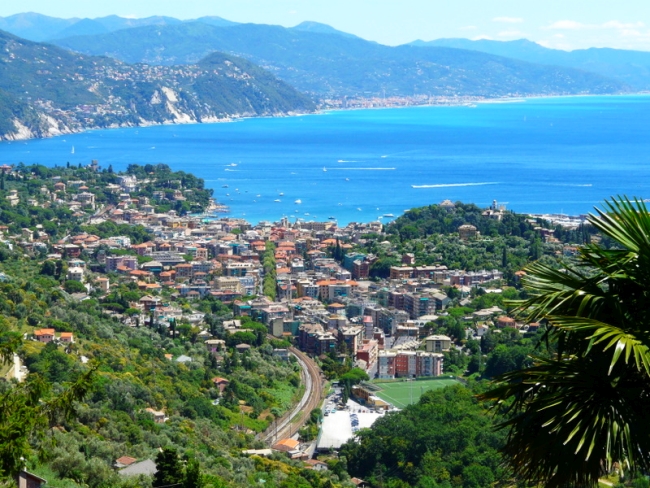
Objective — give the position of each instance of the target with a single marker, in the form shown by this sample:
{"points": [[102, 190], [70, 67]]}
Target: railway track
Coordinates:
{"points": [[290, 423]]}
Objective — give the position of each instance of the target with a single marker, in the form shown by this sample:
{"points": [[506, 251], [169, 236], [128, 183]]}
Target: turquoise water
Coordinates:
{"points": [[540, 155]]}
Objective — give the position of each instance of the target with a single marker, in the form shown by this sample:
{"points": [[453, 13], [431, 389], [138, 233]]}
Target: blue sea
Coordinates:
{"points": [[547, 155]]}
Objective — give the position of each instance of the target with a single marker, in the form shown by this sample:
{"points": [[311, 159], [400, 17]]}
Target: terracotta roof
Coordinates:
{"points": [[286, 445], [44, 332], [125, 460]]}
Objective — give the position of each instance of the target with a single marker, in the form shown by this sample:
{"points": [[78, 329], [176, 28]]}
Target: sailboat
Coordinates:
{"points": [[324, 168], [72, 152]]}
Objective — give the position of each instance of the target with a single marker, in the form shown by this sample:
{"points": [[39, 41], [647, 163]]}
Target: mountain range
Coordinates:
{"points": [[114, 71], [629, 67], [326, 64], [46, 90]]}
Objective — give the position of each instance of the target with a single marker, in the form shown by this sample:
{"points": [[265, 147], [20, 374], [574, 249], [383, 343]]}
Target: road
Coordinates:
{"points": [[294, 420]]}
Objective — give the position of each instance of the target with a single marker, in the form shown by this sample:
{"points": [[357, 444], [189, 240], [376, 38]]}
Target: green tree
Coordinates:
{"points": [[169, 470], [72, 286], [193, 478], [583, 409], [29, 410]]}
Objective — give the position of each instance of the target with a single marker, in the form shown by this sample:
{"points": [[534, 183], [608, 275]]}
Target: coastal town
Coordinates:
{"points": [[311, 285], [322, 305]]}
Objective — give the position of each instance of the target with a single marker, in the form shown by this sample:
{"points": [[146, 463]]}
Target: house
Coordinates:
{"points": [[124, 461], [286, 445], [29, 480], [66, 337], [220, 383], [438, 343], [316, 465], [44, 335], [75, 274], [158, 416]]}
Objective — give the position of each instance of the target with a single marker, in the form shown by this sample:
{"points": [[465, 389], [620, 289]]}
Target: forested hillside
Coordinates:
{"points": [[46, 90], [328, 64]]}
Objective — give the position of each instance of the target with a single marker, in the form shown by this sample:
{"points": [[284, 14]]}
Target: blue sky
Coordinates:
{"points": [[563, 24]]}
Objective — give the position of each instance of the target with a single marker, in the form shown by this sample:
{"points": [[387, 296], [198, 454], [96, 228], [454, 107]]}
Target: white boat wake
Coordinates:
{"points": [[446, 185]]}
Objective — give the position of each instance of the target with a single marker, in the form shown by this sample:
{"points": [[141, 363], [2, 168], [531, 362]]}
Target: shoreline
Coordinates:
{"points": [[470, 102]]}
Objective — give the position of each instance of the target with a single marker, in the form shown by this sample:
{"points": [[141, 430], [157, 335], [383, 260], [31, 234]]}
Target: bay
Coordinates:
{"points": [[546, 155]]}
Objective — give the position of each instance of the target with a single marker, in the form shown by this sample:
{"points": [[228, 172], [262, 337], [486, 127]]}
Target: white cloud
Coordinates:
{"points": [[566, 24], [508, 20]]}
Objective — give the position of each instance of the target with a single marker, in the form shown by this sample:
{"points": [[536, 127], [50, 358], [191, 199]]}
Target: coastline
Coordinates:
{"points": [[25, 134]]}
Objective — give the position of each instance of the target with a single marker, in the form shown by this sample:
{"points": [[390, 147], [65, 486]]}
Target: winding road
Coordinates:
{"points": [[294, 420]]}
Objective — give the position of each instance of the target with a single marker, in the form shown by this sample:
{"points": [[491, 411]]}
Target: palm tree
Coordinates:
{"points": [[584, 408]]}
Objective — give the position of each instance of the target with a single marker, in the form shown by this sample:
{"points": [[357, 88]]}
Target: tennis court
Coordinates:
{"points": [[403, 393]]}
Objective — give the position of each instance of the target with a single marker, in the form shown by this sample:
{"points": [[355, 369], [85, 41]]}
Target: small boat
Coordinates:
{"points": [[359, 209], [259, 195], [389, 215], [281, 194], [347, 179], [224, 186], [298, 202], [277, 200], [72, 152], [324, 168], [306, 213], [331, 218], [233, 164]]}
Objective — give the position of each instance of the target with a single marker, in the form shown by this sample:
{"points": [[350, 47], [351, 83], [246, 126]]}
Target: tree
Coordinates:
{"points": [[29, 409], [193, 478], [582, 409], [72, 286], [169, 470]]}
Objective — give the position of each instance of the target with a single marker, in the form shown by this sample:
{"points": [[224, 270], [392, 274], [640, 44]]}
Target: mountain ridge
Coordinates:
{"points": [[47, 91], [627, 66], [334, 66]]}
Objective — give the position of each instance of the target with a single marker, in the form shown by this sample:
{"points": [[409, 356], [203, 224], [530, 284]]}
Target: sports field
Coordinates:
{"points": [[403, 393]]}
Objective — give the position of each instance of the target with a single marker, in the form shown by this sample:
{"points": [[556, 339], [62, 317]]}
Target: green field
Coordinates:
{"points": [[403, 393]]}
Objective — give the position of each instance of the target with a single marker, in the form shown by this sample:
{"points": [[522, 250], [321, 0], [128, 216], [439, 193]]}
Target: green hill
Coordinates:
{"points": [[46, 90], [320, 61]]}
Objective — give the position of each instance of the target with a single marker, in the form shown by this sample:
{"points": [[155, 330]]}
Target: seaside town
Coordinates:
{"points": [[309, 288]]}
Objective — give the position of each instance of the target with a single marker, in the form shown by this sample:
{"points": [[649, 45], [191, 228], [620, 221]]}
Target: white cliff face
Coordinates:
{"points": [[22, 132]]}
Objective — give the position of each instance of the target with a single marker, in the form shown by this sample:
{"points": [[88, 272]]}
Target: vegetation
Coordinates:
{"points": [[586, 402], [270, 272], [444, 440], [80, 91], [345, 66]]}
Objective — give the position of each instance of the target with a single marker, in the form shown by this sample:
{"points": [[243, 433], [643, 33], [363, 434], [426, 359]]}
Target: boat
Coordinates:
{"points": [[359, 209], [324, 168], [224, 186], [281, 194], [72, 152], [306, 213], [277, 200], [299, 201], [331, 218], [347, 179], [389, 215], [233, 164]]}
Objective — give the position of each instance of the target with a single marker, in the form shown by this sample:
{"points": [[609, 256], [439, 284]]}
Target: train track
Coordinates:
{"points": [[290, 423]]}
